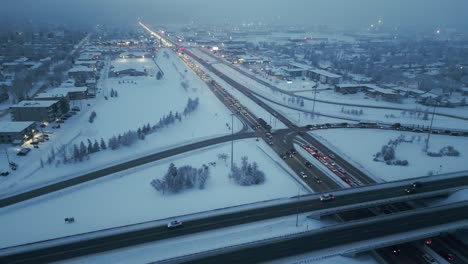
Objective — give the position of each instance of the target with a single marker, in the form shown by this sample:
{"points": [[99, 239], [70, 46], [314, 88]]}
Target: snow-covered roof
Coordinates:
{"points": [[325, 73], [80, 68], [69, 89], [51, 94], [28, 103], [301, 66], [11, 127]]}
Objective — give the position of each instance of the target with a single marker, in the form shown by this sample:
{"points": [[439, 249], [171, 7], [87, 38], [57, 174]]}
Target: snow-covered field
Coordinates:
{"points": [[127, 197], [141, 100], [360, 145]]}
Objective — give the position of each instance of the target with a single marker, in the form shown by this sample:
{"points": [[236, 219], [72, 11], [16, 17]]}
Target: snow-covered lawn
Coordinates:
{"points": [[141, 100], [127, 197], [360, 145]]}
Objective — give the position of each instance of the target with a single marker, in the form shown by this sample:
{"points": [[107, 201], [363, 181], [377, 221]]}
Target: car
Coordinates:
{"points": [[317, 179], [42, 125], [4, 173], [327, 197], [56, 126], [410, 190], [76, 108], [270, 142], [395, 250], [284, 156], [59, 121], [449, 257], [36, 146], [303, 175], [308, 164], [293, 151], [23, 152], [174, 224], [416, 184], [428, 258]]}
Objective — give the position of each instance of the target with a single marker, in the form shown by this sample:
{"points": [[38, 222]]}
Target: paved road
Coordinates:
{"points": [[332, 236], [119, 167], [303, 204]]}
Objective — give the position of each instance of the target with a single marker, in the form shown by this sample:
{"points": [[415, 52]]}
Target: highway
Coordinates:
{"points": [[332, 236], [292, 206]]}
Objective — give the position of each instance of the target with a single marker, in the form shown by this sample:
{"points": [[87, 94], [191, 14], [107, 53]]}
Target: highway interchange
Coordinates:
{"points": [[282, 141]]}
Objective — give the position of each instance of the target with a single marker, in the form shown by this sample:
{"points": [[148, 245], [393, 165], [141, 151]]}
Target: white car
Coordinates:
{"points": [[327, 197], [174, 224], [303, 175]]}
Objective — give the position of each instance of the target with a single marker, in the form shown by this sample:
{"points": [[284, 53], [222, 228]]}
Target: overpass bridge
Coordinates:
{"points": [[404, 226], [114, 238]]}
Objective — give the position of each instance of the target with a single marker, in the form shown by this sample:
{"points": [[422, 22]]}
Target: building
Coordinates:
{"points": [[82, 73], [371, 90], [324, 76], [247, 59], [298, 69], [350, 88], [386, 94], [127, 72], [16, 132], [39, 111]]}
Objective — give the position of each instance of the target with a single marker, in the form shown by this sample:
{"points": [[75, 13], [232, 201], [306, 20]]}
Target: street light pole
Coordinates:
{"points": [[430, 128], [315, 95], [232, 141], [297, 208]]}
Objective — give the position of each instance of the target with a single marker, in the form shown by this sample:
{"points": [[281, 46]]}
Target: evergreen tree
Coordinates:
{"points": [[83, 151], [76, 153], [103, 144], [96, 147]]}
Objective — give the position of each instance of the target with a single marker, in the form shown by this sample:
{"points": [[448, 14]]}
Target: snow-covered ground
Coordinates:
{"points": [[127, 197], [360, 145], [141, 100]]}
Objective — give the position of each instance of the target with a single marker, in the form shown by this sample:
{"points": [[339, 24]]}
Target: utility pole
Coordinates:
{"points": [[430, 127], [297, 208], [8, 158], [232, 141], [315, 95]]}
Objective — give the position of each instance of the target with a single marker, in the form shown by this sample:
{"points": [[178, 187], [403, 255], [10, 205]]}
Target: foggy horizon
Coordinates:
{"points": [[418, 14]]}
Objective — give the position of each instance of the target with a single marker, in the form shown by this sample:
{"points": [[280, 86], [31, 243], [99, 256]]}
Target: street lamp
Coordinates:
{"points": [[429, 132]]}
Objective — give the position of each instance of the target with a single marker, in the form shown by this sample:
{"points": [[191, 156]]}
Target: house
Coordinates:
{"points": [[16, 132], [39, 111], [73, 93]]}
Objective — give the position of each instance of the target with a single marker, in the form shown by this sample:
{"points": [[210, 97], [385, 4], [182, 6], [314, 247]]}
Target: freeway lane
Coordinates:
{"points": [[119, 167], [302, 204], [341, 234]]}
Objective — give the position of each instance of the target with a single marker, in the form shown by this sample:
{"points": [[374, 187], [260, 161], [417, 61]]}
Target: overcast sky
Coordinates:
{"points": [[424, 14]]}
